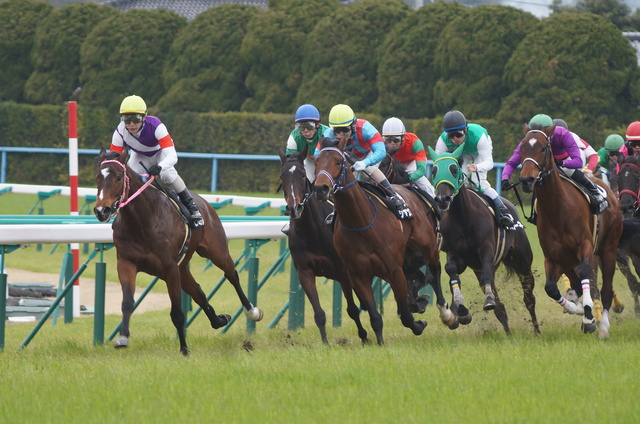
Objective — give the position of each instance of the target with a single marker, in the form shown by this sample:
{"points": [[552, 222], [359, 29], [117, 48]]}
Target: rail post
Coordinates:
{"points": [[252, 291], [68, 299], [3, 305], [98, 312], [296, 301], [337, 304]]}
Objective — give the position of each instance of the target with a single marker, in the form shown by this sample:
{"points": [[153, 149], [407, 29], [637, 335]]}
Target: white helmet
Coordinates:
{"points": [[393, 126]]}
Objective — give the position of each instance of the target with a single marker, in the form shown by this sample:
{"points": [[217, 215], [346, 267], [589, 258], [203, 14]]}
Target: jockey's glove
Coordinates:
{"points": [[155, 170], [359, 166], [506, 185], [559, 162]]}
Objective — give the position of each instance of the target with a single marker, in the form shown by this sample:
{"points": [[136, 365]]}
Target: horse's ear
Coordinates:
{"points": [[101, 154], [303, 154], [458, 152], [281, 154], [432, 153], [525, 128], [549, 130], [340, 144], [326, 142], [123, 156]]}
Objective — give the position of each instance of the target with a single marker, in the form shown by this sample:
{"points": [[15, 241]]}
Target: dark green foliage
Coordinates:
{"points": [[125, 54], [577, 67], [203, 72], [56, 51], [406, 74], [273, 51], [18, 22], [340, 62], [470, 57], [614, 10]]}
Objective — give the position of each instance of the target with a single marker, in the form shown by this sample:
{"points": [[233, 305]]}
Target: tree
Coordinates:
{"points": [[614, 10], [18, 23], [203, 72], [575, 66], [56, 51], [470, 57], [406, 73], [125, 54]]}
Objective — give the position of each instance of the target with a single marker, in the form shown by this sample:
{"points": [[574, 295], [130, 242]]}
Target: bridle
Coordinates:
{"points": [[124, 200], [543, 171]]}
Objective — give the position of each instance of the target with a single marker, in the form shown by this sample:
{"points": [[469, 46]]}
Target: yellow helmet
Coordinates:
{"points": [[133, 104], [341, 116]]}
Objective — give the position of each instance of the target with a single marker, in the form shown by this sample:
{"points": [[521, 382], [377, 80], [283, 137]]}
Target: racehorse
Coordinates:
{"points": [[150, 236], [478, 243], [570, 235], [311, 240], [627, 182], [372, 241]]}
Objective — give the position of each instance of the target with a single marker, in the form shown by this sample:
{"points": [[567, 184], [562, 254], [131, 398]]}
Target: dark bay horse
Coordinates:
{"points": [[571, 237], [472, 238], [372, 241], [311, 240], [150, 236]]}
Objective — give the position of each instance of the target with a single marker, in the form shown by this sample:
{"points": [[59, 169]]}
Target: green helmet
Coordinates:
{"points": [[613, 142], [540, 121]]}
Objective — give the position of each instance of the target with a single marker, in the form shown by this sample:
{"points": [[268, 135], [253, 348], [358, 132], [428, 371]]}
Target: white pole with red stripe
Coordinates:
{"points": [[73, 185]]}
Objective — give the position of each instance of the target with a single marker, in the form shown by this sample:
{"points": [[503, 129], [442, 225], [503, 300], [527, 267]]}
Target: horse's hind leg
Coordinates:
{"points": [[353, 311], [457, 302], [177, 315], [127, 272], [519, 260], [193, 289], [399, 286]]}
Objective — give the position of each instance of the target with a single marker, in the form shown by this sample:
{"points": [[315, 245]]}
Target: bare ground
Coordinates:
{"points": [[113, 294]]}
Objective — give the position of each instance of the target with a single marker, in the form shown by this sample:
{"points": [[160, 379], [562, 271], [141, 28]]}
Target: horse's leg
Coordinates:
{"points": [[352, 309], [193, 289], [399, 285], [446, 315], [585, 273], [457, 301], [486, 279], [127, 272], [608, 268], [553, 272], [500, 311], [308, 282], [177, 315], [362, 286], [520, 259], [635, 289]]}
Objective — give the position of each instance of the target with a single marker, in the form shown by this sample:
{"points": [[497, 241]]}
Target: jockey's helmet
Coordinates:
{"points": [[307, 112], [393, 127], [633, 131], [341, 116], [613, 142], [540, 121], [133, 104], [560, 123], [454, 120]]}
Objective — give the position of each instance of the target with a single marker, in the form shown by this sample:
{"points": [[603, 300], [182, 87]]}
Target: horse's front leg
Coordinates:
{"points": [[308, 282], [398, 283], [453, 270], [174, 287], [553, 272], [585, 273], [362, 285], [446, 315], [193, 289], [127, 272], [608, 267]]}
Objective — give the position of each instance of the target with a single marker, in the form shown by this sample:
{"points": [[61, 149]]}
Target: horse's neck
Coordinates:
{"points": [[551, 195], [462, 206], [138, 209], [353, 205]]}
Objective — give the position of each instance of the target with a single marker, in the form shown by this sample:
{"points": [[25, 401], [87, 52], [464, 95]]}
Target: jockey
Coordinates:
{"points": [[150, 143], [566, 156], [632, 146], [476, 159], [608, 155], [364, 144], [588, 153], [409, 151], [307, 132]]}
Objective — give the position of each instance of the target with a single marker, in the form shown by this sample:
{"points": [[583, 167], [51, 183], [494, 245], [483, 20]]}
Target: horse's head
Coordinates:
{"points": [[628, 183], [294, 182], [536, 158], [112, 182], [331, 167], [447, 176], [392, 169]]}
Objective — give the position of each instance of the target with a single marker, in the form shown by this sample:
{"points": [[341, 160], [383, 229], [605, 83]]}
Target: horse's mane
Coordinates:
{"points": [[394, 172]]}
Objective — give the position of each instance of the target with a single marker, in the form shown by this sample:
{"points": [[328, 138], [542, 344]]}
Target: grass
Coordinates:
{"points": [[474, 374]]}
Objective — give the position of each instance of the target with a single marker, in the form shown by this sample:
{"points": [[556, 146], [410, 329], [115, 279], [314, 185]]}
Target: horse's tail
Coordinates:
{"points": [[630, 229]]}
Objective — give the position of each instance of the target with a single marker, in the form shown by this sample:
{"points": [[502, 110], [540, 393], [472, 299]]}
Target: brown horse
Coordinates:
{"points": [[570, 235], [150, 236], [372, 241], [478, 243], [311, 240]]}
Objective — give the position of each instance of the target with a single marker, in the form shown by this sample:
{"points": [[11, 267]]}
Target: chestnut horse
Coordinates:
{"points": [[150, 236], [570, 235], [478, 243], [311, 240], [372, 241]]}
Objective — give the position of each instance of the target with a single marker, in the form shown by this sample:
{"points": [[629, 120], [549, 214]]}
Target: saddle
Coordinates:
{"points": [[593, 204], [380, 194], [184, 212], [489, 203]]}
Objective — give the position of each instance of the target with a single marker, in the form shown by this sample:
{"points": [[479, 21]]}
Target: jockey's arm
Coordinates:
{"points": [[117, 144], [292, 146], [168, 157], [484, 159], [378, 152], [420, 156]]}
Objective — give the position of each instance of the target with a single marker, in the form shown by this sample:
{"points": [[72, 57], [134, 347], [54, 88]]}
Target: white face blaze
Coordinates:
{"points": [[105, 174], [532, 141]]}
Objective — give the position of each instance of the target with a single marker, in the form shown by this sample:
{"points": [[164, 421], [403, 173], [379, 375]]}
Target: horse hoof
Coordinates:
{"points": [[588, 325], [254, 314], [184, 351], [121, 341], [489, 302], [419, 326], [454, 324], [465, 319]]}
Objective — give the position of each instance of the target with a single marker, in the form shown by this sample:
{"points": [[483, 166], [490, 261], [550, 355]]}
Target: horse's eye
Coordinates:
{"points": [[454, 170], [119, 178], [434, 170]]}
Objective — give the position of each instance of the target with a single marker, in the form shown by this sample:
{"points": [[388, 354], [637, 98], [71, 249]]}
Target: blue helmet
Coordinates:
{"points": [[307, 112]]}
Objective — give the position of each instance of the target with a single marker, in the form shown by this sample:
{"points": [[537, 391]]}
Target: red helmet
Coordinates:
{"points": [[633, 131]]}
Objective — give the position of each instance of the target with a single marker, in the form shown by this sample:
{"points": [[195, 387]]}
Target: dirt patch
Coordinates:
{"points": [[113, 293]]}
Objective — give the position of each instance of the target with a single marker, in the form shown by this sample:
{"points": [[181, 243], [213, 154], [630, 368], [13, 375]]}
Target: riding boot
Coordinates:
{"points": [[505, 219], [600, 201], [398, 201], [196, 216]]}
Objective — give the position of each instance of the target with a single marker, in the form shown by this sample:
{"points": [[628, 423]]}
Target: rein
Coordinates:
{"points": [[125, 187]]}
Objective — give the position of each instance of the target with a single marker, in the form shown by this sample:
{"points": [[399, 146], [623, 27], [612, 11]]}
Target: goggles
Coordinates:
{"points": [[393, 139], [306, 125], [339, 130], [612, 153], [455, 134], [634, 143], [135, 118]]}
